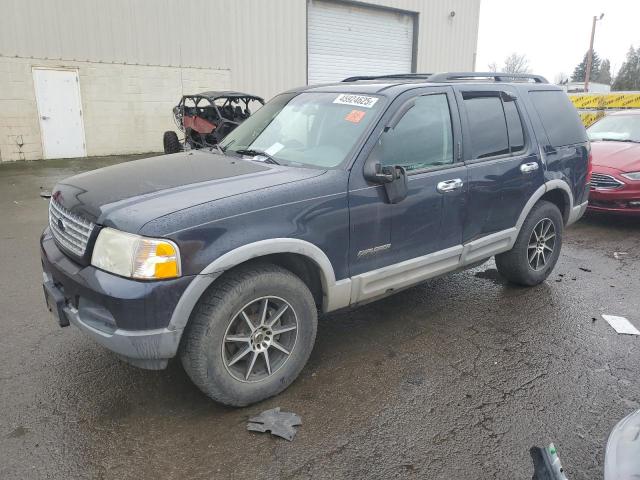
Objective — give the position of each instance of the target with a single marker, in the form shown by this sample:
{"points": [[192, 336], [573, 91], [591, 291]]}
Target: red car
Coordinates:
{"points": [[615, 149]]}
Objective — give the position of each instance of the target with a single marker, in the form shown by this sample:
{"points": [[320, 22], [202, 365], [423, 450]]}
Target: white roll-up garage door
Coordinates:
{"points": [[346, 40]]}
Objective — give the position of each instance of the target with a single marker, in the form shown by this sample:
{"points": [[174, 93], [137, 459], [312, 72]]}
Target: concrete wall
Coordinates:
{"points": [[125, 107], [136, 58]]}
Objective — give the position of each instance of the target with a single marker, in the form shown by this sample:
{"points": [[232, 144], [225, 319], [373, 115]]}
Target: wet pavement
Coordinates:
{"points": [[456, 378]]}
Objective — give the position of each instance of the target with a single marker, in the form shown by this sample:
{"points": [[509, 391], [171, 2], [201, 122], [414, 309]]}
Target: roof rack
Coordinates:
{"points": [[454, 76], [496, 76], [394, 76]]}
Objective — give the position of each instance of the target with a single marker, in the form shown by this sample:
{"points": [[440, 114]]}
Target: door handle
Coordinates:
{"points": [[529, 167], [449, 185]]}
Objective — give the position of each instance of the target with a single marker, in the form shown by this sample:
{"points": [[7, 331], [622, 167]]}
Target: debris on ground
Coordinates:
{"points": [[619, 255], [621, 325], [585, 269], [45, 194], [546, 463], [278, 423]]}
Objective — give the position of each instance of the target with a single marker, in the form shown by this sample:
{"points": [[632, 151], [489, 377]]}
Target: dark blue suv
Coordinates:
{"points": [[327, 197]]}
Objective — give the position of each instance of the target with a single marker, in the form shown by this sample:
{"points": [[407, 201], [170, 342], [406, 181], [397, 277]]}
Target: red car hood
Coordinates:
{"points": [[619, 155]]}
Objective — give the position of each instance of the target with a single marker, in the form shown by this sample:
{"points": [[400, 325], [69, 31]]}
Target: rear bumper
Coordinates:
{"points": [[129, 317]]}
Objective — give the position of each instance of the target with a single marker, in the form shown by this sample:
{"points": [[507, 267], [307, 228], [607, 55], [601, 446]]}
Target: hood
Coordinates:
{"points": [[623, 156], [128, 195]]}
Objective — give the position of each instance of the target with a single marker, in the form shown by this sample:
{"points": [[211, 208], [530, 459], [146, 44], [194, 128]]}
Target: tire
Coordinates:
{"points": [[529, 263], [171, 142], [208, 358]]}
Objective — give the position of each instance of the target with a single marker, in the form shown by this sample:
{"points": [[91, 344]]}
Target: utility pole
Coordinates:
{"points": [[587, 74]]}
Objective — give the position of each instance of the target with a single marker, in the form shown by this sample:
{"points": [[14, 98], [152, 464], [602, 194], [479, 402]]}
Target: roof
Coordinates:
{"points": [[213, 94], [392, 84]]}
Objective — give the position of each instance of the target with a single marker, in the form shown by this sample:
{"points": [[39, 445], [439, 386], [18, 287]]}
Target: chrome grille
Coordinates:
{"points": [[606, 182], [69, 230]]}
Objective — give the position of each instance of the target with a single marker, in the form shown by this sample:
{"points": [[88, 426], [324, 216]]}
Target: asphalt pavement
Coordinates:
{"points": [[453, 379]]}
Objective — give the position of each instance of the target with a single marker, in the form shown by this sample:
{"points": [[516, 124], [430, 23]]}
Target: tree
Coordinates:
{"points": [[561, 78], [604, 74], [581, 69], [514, 63], [628, 77]]}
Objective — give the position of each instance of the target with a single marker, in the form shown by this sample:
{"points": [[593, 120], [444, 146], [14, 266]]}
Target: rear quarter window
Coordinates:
{"points": [[559, 118]]}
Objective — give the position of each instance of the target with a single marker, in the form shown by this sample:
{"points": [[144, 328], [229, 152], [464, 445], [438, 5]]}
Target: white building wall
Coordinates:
{"points": [[125, 107], [131, 55]]}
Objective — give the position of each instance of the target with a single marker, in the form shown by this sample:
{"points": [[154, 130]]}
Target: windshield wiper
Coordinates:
{"points": [[258, 153]]}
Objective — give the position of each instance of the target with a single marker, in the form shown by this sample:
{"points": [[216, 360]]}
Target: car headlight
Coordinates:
{"points": [[134, 256], [631, 176]]}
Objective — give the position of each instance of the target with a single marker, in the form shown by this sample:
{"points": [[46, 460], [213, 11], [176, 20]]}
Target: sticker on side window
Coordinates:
{"points": [[354, 116], [356, 100]]}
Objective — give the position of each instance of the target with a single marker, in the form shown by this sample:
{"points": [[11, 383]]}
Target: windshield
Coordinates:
{"points": [[315, 129], [621, 128]]}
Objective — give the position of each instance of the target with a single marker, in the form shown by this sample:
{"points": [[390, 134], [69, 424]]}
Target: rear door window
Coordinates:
{"points": [[559, 117], [487, 125]]}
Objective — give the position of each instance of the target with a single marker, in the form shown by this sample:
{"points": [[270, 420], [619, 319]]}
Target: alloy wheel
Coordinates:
{"points": [[259, 339], [541, 244]]}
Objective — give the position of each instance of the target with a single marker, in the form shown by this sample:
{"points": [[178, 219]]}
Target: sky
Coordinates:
{"points": [[554, 35]]}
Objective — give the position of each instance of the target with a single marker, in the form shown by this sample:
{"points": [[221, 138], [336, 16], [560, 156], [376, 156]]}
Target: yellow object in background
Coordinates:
{"points": [[593, 106]]}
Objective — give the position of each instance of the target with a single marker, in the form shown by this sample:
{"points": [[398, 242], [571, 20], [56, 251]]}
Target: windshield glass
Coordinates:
{"points": [[315, 129], [617, 128]]}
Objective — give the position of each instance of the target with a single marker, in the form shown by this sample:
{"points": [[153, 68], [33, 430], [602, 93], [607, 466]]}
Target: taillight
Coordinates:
{"points": [[589, 167]]}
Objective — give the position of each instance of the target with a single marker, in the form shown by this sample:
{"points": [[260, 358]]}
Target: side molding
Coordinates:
{"points": [[335, 294]]}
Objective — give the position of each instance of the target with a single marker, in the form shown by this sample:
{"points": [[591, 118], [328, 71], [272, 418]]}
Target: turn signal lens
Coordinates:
{"points": [[155, 259], [134, 256]]}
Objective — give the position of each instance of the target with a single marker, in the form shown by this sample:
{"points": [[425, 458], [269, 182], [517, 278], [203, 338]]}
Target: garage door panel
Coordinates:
{"points": [[346, 40]]}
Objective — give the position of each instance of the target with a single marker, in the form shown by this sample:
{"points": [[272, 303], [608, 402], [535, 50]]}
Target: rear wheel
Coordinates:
{"points": [[537, 248], [171, 142], [250, 335]]}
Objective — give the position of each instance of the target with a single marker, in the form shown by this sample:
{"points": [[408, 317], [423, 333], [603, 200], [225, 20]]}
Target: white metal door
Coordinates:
{"points": [[60, 112], [344, 40]]}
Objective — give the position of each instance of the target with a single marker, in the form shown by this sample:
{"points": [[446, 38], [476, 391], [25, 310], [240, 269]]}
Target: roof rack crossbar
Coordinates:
{"points": [[453, 76], [496, 76]]}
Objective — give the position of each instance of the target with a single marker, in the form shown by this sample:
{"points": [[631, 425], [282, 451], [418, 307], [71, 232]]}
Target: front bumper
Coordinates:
{"points": [[623, 201], [129, 317]]}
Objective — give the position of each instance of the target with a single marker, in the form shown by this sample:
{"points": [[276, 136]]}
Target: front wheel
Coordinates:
{"points": [[536, 249], [250, 335]]}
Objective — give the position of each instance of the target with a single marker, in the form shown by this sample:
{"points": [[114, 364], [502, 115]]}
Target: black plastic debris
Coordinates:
{"points": [[546, 463], [44, 194], [278, 423]]}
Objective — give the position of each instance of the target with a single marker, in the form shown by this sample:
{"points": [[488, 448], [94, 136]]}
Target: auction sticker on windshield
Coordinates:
{"points": [[356, 100]]}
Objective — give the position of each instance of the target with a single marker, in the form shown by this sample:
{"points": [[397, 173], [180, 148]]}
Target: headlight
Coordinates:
{"points": [[632, 175], [134, 256]]}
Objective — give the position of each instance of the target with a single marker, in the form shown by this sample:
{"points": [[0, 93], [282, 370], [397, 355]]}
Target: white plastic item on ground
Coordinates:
{"points": [[621, 460], [621, 325]]}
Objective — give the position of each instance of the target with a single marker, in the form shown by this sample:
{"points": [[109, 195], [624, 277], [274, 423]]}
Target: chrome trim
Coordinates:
{"points": [[601, 181], [450, 185], [76, 231]]}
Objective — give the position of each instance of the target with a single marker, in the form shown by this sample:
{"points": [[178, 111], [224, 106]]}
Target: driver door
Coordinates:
{"points": [[396, 244]]}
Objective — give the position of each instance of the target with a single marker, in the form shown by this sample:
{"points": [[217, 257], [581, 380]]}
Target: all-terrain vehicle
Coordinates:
{"points": [[207, 117], [327, 197]]}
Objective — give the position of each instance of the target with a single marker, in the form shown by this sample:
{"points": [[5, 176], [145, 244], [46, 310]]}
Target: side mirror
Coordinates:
{"points": [[393, 177], [376, 173]]}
